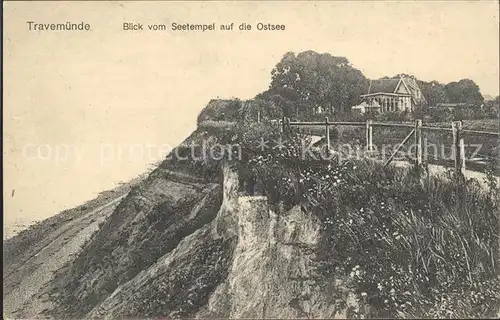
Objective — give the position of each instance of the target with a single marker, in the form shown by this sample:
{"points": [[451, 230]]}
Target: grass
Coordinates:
{"points": [[409, 245], [479, 125], [404, 241]]}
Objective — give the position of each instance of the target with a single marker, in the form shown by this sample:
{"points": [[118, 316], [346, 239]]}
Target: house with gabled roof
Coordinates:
{"points": [[395, 94]]}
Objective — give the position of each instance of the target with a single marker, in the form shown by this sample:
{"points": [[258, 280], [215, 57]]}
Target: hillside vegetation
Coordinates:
{"points": [[244, 221], [409, 244], [404, 244]]}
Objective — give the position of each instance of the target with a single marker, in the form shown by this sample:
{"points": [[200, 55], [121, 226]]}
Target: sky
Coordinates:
{"points": [[81, 108]]}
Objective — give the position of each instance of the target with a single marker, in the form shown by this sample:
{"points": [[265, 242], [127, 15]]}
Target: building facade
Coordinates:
{"points": [[390, 95]]}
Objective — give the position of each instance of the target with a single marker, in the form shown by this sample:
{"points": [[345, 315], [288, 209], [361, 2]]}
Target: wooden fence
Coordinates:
{"points": [[416, 131]]}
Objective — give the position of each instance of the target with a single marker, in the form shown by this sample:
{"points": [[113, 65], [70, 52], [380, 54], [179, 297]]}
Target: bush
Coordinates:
{"points": [[437, 114], [268, 111], [395, 116], [440, 115], [406, 243], [220, 110], [411, 245]]}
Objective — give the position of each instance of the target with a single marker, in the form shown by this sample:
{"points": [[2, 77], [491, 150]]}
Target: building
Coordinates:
{"points": [[396, 94]]}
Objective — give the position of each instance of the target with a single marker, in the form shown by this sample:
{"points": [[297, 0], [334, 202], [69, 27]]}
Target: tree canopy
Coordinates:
{"points": [[465, 91], [301, 82], [433, 91], [312, 79]]}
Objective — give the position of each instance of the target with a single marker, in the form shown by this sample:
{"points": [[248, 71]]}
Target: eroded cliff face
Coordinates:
{"points": [[273, 268], [149, 223], [249, 262], [176, 246], [181, 281]]}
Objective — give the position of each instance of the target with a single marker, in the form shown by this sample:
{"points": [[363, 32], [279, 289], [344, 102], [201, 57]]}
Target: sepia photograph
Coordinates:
{"points": [[251, 159]]}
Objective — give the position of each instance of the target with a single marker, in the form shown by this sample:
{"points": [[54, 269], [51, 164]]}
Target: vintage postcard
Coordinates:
{"points": [[251, 159]]}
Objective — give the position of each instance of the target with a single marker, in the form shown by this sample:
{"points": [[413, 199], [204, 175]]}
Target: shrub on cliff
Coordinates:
{"points": [[411, 245], [259, 109], [220, 110]]}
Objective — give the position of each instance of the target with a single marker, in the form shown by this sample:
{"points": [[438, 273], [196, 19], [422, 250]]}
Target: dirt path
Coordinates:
{"points": [[24, 285], [438, 170]]}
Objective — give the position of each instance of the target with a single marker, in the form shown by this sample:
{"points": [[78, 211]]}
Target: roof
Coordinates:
{"points": [[416, 93], [383, 86], [390, 87]]}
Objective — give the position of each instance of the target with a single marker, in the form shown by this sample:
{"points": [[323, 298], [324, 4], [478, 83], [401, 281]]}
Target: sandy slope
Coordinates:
{"points": [[32, 277], [31, 257]]}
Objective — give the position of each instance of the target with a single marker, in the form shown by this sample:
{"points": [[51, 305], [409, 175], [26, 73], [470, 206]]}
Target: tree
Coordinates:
{"points": [[464, 91], [434, 92], [312, 79]]}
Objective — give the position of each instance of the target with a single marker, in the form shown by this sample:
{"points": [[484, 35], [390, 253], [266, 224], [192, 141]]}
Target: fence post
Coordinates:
{"points": [[282, 125], [458, 148], [327, 134], [258, 116], [418, 142], [369, 135], [462, 156]]}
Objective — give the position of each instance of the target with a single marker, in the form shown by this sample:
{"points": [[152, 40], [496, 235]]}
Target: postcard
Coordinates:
{"points": [[251, 159]]}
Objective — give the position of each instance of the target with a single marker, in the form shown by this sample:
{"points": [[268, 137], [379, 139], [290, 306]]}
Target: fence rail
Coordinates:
{"points": [[417, 128], [334, 123], [437, 129], [486, 133]]}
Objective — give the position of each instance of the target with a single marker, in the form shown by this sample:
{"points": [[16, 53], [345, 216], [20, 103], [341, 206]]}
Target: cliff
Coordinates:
{"points": [[307, 239]]}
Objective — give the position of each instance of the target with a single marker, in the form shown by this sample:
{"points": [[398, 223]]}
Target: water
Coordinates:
{"points": [[45, 174]]}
